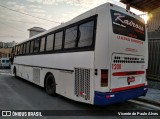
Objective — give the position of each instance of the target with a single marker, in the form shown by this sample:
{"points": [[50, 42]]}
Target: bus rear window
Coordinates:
{"points": [[127, 25]]}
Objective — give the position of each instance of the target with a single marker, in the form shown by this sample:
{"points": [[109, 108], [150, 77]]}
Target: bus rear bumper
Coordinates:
{"points": [[101, 98]]}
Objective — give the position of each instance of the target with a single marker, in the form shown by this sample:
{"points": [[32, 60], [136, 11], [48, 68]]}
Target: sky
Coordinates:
{"points": [[40, 13]]}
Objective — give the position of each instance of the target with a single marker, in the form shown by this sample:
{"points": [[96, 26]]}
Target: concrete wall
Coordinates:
{"points": [[153, 72]]}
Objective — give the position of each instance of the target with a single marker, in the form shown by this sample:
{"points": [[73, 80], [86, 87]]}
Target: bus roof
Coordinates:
{"points": [[84, 15]]}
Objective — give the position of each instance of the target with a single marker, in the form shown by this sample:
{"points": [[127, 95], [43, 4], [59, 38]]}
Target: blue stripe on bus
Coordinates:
{"points": [[101, 98]]}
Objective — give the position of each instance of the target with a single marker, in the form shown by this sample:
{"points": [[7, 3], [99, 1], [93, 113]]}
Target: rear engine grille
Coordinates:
{"points": [[82, 83]]}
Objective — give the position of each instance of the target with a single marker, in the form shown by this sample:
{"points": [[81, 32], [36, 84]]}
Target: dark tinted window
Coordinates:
{"points": [[15, 52], [18, 50], [31, 47], [70, 37], [3, 61], [24, 48], [58, 41], [42, 46], [27, 47], [7, 61], [36, 45], [21, 49], [128, 26], [86, 34], [49, 43]]}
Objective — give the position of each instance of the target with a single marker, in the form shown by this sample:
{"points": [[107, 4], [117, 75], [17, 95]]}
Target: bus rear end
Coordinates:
{"points": [[125, 76]]}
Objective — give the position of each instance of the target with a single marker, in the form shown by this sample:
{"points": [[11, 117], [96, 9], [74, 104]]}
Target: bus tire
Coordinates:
{"points": [[15, 72], [50, 85]]}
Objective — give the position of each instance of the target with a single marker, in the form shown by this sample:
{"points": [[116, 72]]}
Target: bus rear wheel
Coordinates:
{"points": [[50, 85]]}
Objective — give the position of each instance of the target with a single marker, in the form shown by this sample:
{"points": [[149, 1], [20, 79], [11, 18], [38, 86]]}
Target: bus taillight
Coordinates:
{"points": [[104, 78]]}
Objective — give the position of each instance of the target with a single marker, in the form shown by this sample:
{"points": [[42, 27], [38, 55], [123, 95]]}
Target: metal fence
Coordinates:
{"points": [[153, 71]]}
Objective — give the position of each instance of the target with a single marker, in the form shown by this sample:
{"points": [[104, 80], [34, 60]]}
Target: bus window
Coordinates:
{"points": [[132, 27], [58, 40], [31, 48], [86, 34], [14, 50], [24, 48], [21, 49], [70, 37], [49, 43], [42, 44], [18, 52], [27, 47], [36, 45]]}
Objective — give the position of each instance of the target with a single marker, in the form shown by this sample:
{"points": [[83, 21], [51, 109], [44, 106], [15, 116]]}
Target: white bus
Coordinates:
{"points": [[99, 57]]}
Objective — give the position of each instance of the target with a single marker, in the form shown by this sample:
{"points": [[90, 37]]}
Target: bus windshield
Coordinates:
{"points": [[128, 26]]}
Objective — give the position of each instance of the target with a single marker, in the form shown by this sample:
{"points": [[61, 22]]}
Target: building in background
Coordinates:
{"points": [[6, 48], [35, 30], [153, 25], [1, 44], [7, 44], [154, 20], [5, 52]]}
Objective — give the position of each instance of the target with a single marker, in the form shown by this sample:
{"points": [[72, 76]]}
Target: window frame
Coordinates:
{"points": [[24, 49], [15, 51], [75, 39], [79, 34], [21, 49], [52, 33], [44, 44], [18, 50], [38, 39], [63, 29], [29, 47]]}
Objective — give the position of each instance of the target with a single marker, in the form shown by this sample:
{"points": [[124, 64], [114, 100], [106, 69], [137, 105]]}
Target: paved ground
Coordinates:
{"points": [[18, 94], [153, 94]]}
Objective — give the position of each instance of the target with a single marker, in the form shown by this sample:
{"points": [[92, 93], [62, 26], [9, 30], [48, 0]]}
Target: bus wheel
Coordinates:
{"points": [[50, 85], [15, 72]]}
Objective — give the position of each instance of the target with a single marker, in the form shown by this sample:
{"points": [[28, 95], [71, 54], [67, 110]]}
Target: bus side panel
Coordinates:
{"points": [[62, 66], [101, 47], [64, 81], [25, 72]]}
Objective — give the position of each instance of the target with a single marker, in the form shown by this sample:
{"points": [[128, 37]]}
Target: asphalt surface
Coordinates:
{"points": [[19, 94]]}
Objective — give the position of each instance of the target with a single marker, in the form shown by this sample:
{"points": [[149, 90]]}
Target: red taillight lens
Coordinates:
{"points": [[104, 78]]}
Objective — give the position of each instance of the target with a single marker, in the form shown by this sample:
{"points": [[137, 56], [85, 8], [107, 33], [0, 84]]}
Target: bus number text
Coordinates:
{"points": [[116, 66]]}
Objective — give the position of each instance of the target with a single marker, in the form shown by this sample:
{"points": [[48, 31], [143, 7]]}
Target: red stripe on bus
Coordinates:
{"points": [[128, 73], [126, 88]]}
